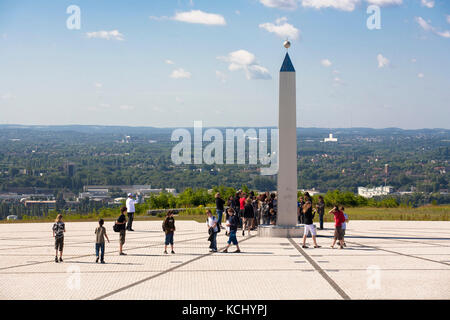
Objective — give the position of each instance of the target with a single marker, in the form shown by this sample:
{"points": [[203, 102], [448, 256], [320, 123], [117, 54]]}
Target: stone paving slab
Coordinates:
{"points": [[383, 260]]}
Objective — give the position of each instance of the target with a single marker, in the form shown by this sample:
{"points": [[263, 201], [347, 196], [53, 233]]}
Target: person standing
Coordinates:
{"points": [[339, 219], [300, 214], [100, 233], [121, 221], [58, 233], [320, 206], [248, 216], [212, 230], [309, 224], [344, 225], [219, 208], [232, 223], [130, 203], [169, 228]]}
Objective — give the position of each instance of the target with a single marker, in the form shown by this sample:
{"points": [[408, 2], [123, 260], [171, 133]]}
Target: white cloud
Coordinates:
{"points": [[179, 100], [281, 28], [344, 5], [382, 3], [169, 61], [180, 74], [337, 81], [126, 107], [280, 4], [107, 35], [244, 60], [98, 85], [420, 75], [221, 76], [197, 16], [445, 34], [7, 96], [428, 3], [382, 61], [428, 27], [326, 63], [425, 25]]}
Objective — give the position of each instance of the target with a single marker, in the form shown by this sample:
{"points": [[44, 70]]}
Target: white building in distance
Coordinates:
{"points": [[373, 192], [330, 138]]}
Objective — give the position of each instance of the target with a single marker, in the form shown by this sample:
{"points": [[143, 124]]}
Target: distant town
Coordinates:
{"points": [[85, 168]]}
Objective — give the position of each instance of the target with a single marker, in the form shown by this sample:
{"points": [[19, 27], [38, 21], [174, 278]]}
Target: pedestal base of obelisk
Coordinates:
{"points": [[275, 231]]}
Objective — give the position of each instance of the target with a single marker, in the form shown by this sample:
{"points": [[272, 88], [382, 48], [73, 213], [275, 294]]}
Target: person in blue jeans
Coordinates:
{"points": [[232, 223], [212, 230], [219, 208], [100, 233]]}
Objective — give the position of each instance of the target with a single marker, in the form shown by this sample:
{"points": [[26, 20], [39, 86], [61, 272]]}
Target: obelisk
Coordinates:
{"points": [[286, 225], [287, 155]]}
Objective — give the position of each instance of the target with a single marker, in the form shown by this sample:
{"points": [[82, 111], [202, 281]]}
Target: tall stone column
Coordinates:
{"points": [[286, 226], [287, 156]]}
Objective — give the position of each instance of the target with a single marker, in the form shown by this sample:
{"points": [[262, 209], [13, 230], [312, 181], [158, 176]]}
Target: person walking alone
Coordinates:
{"points": [[169, 229], [130, 203], [121, 221], [58, 233]]}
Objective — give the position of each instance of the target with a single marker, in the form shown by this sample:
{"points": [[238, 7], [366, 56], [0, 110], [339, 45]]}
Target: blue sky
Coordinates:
{"points": [[169, 63]]}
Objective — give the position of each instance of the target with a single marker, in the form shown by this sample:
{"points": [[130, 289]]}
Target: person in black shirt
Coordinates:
{"points": [[232, 223], [321, 210], [219, 208], [121, 221], [309, 224], [249, 215]]}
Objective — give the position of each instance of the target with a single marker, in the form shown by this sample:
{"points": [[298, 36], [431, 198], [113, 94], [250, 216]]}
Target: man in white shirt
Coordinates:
{"points": [[130, 211], [212, 230]]}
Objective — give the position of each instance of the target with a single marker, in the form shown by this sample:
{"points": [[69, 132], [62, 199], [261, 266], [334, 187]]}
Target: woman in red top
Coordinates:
{"points": [[339, 218]]}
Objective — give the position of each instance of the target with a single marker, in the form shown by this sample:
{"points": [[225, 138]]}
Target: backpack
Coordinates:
{"points": [[116, 227]]}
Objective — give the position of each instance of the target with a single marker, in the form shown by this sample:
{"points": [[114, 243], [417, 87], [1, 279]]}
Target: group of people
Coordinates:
{"points": [[244, 210]]}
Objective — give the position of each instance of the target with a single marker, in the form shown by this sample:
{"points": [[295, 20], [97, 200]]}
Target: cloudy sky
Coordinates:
{"points": [[169, 63]]}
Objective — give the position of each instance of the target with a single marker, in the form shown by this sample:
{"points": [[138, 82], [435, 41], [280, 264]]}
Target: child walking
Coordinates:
{"points": [[58, 233], [169, 228], [100, 233], [232, 223]]}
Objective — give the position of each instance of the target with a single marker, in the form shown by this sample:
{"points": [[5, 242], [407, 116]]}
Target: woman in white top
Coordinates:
{"points": [[344, 224]]}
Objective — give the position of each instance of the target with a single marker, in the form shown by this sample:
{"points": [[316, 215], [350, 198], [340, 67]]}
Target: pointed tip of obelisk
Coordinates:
{"points": [[287, 64]]}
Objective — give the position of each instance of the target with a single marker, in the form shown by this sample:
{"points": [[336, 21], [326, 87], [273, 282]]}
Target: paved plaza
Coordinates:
{"points": [[383, 260]]}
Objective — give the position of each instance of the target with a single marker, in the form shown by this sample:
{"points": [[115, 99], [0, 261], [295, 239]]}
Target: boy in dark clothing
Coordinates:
{"points": [[58, 232], [122, 220], [169, 228], [232, 223]]}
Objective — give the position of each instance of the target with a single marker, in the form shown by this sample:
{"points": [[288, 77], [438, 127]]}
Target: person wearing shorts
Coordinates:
{"points": [[338, 232], [309, 224], [169, 229], [122, 220], [58, 232], [232, 223]]}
